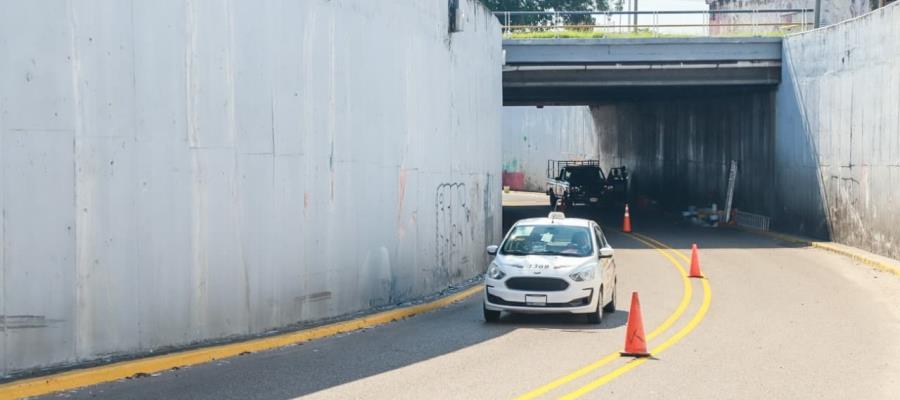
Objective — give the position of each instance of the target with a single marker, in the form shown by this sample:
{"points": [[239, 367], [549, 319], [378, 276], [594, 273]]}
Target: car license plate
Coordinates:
{"points": [[535, 300], [594, 199]]}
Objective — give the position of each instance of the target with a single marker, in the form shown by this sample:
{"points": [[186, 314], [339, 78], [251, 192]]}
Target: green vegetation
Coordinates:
{"points": [[549, 26], [643, 34], [548, 5], [581, 34]]}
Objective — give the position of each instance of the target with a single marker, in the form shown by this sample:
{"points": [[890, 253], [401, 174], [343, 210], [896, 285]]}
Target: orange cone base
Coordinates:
{"points": [[695, 273], [635, 342]]}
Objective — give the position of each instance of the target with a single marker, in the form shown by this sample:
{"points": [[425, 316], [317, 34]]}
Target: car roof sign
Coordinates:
{"points": [[556, 215]]}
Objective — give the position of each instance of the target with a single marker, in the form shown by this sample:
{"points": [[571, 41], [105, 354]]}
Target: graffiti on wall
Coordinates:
{"points": [[453, 235]]}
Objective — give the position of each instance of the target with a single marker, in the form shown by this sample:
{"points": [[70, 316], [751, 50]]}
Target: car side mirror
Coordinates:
{"points": [[607, 252], [492, 250]]}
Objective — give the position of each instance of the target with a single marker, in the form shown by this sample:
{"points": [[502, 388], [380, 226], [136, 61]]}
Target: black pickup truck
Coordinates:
{"points": [[582, 182]]}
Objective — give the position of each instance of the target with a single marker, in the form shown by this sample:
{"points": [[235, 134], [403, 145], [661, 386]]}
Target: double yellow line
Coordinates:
{"points": [[666, 252]]}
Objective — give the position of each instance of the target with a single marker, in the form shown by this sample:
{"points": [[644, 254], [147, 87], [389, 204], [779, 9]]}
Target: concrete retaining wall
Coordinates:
{"points": [[531, 136], [181, 171], [833, 11], [679, 148], [838, 133]]}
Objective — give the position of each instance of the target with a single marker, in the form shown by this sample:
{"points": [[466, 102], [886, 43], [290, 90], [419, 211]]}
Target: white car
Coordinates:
{"points": [[551, 265]]}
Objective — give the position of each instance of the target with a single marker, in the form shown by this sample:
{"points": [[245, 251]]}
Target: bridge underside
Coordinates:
{"points": [[573, 72]]}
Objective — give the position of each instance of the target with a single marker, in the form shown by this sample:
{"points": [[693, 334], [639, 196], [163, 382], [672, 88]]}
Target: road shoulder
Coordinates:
{"points": [[873, 260]]}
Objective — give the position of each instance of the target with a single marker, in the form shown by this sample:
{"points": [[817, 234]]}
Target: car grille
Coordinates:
{"points": [[574, 303], [537, 284]]}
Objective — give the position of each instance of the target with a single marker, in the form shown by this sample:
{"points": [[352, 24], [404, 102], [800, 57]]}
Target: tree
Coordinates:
{"points": [[548, 5], [578, 5]]}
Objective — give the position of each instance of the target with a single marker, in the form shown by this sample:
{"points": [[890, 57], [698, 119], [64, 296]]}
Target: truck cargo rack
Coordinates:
{"points": [[555, 166]]}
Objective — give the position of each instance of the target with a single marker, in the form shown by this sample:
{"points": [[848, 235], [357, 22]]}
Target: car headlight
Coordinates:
{"points": [[494, 272], [584, 273]]}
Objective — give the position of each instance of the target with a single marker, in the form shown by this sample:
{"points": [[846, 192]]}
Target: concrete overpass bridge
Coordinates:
{"points": [[590, 71]]}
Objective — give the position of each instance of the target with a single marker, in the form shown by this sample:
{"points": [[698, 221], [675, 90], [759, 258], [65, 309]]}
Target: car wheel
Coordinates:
{"points": [[490, 315], [596, 317], [611, 306]]}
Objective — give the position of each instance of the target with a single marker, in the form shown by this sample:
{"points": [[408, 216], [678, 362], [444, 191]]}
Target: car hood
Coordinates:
{"points": [[557, 265]]}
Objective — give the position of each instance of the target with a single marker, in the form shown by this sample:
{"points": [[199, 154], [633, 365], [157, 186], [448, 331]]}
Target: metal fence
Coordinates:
{"points": [[557, 24], [753, 221]]}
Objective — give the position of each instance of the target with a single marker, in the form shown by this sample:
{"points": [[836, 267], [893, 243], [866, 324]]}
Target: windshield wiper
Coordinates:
{"points": [[544, 253]]}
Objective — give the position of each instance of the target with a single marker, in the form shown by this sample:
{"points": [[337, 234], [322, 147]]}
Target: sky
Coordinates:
{"points": [[671, 5]]}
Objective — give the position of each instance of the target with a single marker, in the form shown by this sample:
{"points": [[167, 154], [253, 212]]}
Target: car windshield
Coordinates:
{"points": [[584, 175], [571, 241]]}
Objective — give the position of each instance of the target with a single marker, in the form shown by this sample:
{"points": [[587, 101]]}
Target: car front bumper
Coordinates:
{"points": [[576, 299], [586, 199]]}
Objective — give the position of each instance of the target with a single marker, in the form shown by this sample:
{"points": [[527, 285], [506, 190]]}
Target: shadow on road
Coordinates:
{"points": [[567, 323], [299, 370], [322, 364], [653, 222]]}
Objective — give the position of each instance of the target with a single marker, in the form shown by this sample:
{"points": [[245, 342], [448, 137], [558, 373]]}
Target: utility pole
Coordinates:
{"points": [[818, 13], [636, 16]]}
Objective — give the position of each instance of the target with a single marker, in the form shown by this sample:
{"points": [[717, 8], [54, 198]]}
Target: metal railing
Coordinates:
{"points": [[556, 24], [750, 220]]}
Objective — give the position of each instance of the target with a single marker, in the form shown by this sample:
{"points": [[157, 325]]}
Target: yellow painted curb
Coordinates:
{"points": [[881, 266], [862, 258], [120, 370]]}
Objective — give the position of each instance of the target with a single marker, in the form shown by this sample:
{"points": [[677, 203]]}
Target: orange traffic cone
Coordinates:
{"points": [[635, 344], [695, 263], [626, 224]]}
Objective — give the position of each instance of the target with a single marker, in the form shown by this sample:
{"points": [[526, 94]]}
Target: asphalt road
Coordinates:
{"points": [[781, 322]]}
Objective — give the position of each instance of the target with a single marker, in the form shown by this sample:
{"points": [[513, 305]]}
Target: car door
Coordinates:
{"points": [[607, 265]]}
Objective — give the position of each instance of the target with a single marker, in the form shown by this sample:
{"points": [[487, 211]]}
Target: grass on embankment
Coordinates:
{"points": [[579, 34]]}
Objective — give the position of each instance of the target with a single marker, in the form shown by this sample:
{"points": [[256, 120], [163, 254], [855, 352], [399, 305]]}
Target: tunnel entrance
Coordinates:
{"points": [[677, 143], [675, 112]]}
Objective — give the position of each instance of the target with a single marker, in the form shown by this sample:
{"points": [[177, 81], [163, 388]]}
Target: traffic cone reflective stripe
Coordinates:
{"points": [[695, 263], [635, 341], [626, 224]]}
